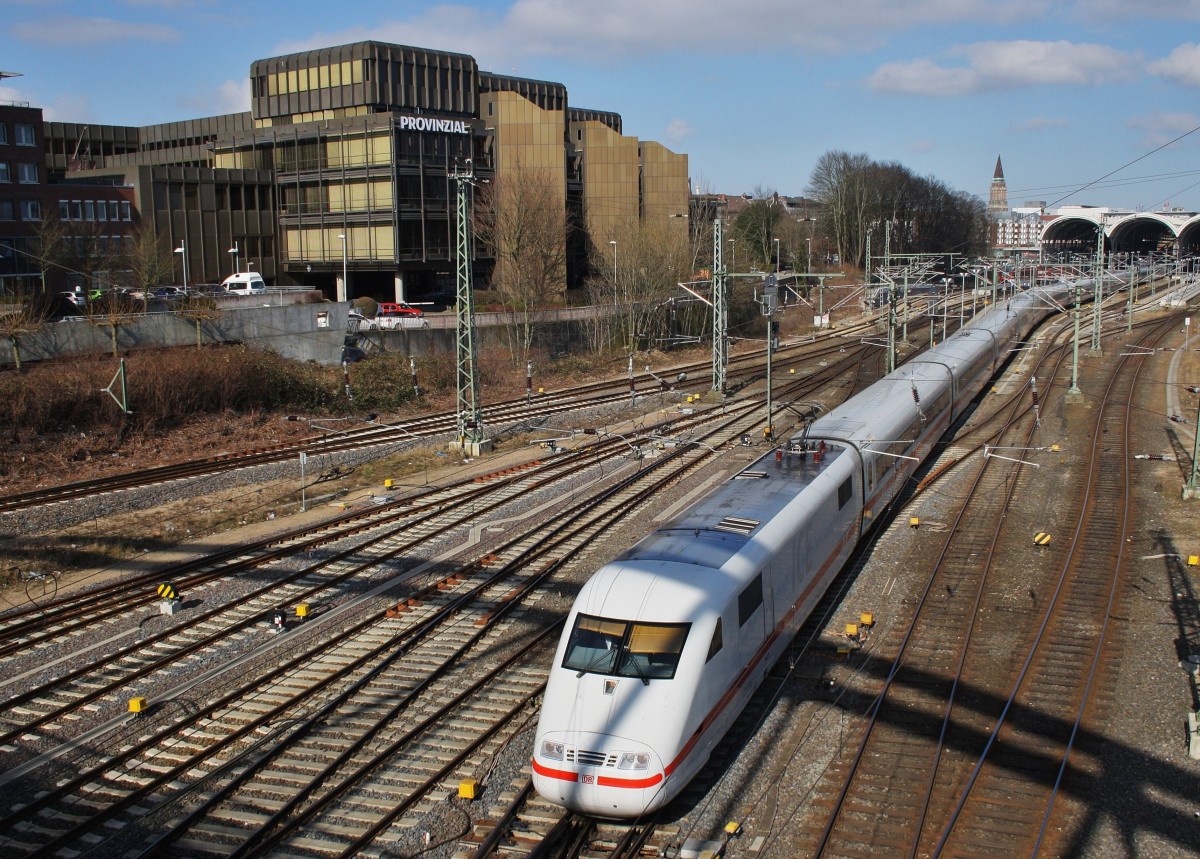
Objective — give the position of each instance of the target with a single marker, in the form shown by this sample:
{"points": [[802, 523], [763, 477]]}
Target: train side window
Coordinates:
{"points": [[714, 646], [749, 600], [845, 492]]}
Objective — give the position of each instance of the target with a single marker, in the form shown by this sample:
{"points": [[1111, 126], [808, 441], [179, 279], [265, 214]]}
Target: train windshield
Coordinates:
{"points": [[601, 645]]}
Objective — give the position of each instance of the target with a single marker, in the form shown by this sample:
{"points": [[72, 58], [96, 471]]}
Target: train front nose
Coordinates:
{"points": [[597, 774]]}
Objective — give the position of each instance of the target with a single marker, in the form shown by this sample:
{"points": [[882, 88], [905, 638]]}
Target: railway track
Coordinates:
{"points": [[743, 369], [966, 745], [190, 755]]}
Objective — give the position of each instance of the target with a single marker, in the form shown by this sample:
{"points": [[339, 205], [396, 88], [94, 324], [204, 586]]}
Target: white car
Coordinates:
{"points": [[355, 322]]}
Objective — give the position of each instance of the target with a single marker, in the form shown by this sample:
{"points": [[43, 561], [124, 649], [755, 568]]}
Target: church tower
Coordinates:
{"points": [[998, 197]]}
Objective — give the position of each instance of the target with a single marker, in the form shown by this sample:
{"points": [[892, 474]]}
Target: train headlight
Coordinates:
{"points": [[630, 761], [552, 750]]}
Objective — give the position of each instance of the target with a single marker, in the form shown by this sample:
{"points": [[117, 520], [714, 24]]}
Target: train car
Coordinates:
{"points": [[664, 646]]}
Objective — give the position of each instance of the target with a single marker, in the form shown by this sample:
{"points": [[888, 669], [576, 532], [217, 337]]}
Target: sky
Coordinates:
{"points": [[1087, 102]]}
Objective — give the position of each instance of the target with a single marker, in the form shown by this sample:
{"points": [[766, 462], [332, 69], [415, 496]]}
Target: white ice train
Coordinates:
{"points": [[664, 646]]}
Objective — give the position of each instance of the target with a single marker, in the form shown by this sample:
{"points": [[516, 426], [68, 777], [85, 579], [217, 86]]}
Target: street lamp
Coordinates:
{"points": [[343, 290], [182, 249], [733, 254], [233, 251], [808, 264], [777, 260], [613, 242]]}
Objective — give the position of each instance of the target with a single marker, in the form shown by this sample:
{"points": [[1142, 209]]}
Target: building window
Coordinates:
{"points": [[3, 133], [25, 135], [6, 210], [64, 210], [89, 207], [126, 213], [31, 210], [4, 174], [27, 173], [76, 210]]}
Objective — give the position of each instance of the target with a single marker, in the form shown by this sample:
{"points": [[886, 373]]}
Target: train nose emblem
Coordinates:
{"points": [[588, 779]]}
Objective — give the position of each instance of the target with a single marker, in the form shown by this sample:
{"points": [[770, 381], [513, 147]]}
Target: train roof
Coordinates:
{"points": [[720, 525]]}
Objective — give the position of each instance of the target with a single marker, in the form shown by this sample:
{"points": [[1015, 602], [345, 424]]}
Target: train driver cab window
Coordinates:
{"points": [[653, 651], [648, 651], [594, 644]]}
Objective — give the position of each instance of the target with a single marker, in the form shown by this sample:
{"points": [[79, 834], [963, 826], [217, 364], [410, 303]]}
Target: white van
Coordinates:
{"points": [[244, 283]]}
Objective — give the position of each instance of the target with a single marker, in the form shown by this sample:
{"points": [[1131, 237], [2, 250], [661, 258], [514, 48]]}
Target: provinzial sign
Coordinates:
{"points": [[429, 123]]}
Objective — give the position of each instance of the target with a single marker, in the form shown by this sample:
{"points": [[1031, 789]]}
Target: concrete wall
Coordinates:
{"points": [[303, 332]]}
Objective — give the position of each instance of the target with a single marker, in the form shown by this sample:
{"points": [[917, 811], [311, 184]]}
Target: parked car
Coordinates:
{"points": [[170, 293], [355, 322], [397, 314], [78, 299], [244, 283]]}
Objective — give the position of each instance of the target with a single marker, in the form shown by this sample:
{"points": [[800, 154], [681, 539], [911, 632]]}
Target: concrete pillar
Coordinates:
{"points": [[341, 288], [400, 287]]}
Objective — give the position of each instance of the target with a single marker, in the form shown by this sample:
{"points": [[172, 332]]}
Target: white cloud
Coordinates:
{"points": [[1039, 123], [601, 33], [1161, 128], [226, 97], [1007, 65], [76, 31], [678, 130], [1182, 65], [1136, 10], [68, 108]]}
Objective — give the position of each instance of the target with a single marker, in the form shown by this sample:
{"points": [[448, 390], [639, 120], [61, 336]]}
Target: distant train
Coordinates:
{"points": [[664, 646]]}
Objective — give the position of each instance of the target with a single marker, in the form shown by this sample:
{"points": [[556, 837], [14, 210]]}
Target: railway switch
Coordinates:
{"points": [[914, 522], [302, 611], [852, 631], [468, 788], [1193, 560], [866, 619], [137, 706]]}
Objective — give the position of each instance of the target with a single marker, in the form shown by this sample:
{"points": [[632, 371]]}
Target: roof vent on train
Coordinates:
{"points": [[737, 525]]}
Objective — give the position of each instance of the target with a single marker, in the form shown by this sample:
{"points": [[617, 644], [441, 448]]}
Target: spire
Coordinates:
{"points": [[998, 194]]}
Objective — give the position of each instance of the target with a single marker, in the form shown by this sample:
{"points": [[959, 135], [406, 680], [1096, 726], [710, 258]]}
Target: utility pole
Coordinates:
{"points": [[770, 301], [1073, 391], [471, 438], [891, 329], [1098, 292], [720, 330], [1191, 489]]}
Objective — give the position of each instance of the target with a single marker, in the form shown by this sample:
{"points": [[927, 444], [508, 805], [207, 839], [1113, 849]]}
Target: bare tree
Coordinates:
{"points": [[521, 221], [113, 311], [840, 182], [148, 258], [20, 316], [635, 280], [50, 249], [199, 309]]}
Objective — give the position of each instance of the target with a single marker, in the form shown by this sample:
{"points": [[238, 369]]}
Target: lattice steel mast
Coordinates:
{"points": [[471, 437]]}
